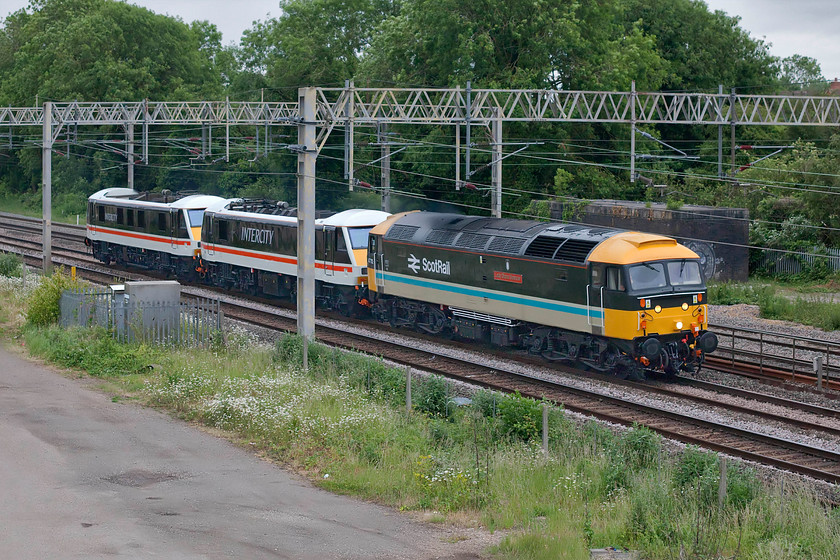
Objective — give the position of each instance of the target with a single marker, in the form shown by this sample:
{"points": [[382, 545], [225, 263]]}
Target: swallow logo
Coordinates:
{"points": [[413, 263]]}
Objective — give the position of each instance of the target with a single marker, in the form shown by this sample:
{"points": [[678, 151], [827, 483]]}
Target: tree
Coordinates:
{"points": [[511, 44], [104, 50], [314, 42], [802, 73], [702, 49]]}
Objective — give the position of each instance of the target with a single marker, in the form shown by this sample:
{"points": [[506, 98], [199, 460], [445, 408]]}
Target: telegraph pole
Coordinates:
{"points": [[732, 129], [720, 135], [46, 178], [633, 131], [129, 152]]}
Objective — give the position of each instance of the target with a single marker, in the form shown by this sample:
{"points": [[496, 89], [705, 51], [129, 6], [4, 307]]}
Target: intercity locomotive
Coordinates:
{"points": [[156, 231], [616, 301], [251, 246]]}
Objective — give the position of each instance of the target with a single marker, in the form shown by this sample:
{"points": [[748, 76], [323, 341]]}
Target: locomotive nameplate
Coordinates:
{"points": [[507, 277]]}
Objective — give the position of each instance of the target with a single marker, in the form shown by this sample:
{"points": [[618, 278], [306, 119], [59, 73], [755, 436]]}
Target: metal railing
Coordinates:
{"points": [[196, 322], [775, 350], [786, 262]]}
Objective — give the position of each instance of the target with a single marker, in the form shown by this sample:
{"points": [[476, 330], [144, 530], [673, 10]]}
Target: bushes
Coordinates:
{"points": [[90, 349], [44, 302], [698, 472], [10, 265]]}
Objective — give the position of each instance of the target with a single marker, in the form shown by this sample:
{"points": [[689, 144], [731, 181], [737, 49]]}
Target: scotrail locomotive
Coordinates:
{"points": [[613, 300]]}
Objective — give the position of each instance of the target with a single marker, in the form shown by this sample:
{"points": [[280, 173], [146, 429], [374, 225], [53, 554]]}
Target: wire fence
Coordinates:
{"points": [[785, 263], [196, 322]]}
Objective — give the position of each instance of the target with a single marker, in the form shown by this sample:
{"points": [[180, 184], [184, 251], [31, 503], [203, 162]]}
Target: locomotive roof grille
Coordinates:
{"points": [[575, 250], [560, 248], [501, 244], [472, 241], [544, 247], [401, 232], [441, 236]]}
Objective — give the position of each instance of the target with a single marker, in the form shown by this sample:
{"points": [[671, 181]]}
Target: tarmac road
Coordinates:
{"points": [[82, 477]]}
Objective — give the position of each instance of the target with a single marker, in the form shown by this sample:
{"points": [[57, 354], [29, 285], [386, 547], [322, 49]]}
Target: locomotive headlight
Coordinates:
{"points": [[658, 309], [679, 325], [685, 307]]}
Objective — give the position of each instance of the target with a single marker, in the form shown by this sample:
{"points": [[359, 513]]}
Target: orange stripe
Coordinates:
{"points": [[139, 236], [273, 258]]}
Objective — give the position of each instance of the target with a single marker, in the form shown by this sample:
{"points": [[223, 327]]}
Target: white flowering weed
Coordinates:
{"points": [[275, 402]]}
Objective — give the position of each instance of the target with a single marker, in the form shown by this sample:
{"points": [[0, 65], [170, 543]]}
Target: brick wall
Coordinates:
{"points": [[709, 231]]}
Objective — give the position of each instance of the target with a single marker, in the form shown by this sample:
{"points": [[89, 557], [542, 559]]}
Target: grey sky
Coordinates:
{"points": [[806, 27]]}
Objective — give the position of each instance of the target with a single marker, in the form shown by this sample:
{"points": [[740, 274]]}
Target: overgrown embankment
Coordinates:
{"points": [[343, 423]]}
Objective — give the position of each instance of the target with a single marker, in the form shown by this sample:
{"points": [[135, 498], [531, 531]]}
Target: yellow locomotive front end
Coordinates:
{"points": [[653, 296]]}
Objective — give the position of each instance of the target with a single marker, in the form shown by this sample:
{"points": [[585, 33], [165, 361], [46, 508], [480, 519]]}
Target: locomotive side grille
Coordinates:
{"points": [[401, 232], [501, 244], [441, 236], [544, 247], [472, 241], [575, 250]]}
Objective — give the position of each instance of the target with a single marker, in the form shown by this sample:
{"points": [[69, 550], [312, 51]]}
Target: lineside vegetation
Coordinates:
{"points": [[343, 424]]}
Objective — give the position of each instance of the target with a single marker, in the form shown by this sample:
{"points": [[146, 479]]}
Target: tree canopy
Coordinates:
{"points": [[104, 50]]}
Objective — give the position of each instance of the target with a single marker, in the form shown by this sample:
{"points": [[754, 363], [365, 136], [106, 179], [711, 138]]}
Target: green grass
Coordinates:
{"points": [[343, 424], [66, 210], [800, 303]]}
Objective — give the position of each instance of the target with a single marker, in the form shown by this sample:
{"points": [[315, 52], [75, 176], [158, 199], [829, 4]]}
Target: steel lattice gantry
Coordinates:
{"points": [[326, 108], [334, 106]]}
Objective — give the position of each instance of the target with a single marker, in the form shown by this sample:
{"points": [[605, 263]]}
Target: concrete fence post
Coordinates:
{"points": [[407, 390], [818, 370], [545, 428]]}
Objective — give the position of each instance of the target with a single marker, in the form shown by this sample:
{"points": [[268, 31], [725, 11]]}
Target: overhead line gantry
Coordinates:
{"points": [[319, 110]]}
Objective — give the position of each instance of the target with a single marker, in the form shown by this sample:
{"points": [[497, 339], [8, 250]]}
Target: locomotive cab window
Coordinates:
{"points": [[647, 276], [101, 213], [196, 217], [182, 225], [359, 237], [615, 279], [684, 273], [597, 276]]}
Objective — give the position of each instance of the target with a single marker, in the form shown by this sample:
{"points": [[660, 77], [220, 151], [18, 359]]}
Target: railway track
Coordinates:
{"points": [[774, 358], [789, 455], [809, 460]]}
